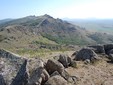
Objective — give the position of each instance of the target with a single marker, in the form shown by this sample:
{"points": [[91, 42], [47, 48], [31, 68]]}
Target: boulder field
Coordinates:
{"points": [[17, 70]]}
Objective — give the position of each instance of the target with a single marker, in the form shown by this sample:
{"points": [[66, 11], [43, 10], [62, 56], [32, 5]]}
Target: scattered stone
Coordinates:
{"points": [[54, 65], [86, 53], [56, 80]]}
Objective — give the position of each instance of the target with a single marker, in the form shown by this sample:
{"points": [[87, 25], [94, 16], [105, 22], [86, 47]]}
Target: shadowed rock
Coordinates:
{"points": [[2, 81], [22, 76], [86, 53]]}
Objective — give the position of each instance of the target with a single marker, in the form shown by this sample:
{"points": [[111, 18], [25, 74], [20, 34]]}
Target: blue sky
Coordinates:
{"points": [[57, 8]]}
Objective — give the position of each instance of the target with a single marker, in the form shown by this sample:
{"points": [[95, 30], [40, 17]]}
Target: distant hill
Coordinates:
{"points": [[33, 32], [5, 20]]}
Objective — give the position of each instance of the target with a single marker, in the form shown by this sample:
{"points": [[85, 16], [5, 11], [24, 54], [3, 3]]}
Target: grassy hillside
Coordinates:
{"points": [[45, 33]]}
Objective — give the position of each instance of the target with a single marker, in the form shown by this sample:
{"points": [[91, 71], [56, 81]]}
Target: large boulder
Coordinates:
{"points": [[56, 80], [38, 74], [65, 60], [108, 47], [2, 81], [86, 53], [97, 48], [10, 64], [54, 65], [22, 76]]}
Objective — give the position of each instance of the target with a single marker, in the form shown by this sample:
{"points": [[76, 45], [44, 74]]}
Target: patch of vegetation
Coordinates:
{"points": [[64, 40], [1, 38]]}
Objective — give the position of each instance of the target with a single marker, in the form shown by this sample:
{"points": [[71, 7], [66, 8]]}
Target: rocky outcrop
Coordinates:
{"points": [[54, 65], [86, 53], [10, 64], [65, 60], [56, 80], [97, 48], [22, 76], [2, 81]]}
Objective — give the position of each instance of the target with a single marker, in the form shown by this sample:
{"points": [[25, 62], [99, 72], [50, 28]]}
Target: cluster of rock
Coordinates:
{"points": [[15, 70], [89, 53]]}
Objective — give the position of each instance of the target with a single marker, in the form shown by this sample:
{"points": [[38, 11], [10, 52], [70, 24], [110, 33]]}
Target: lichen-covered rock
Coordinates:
{"points": [[54, 65], [86, 53], [22, 76], [10, 64], [56, 80]]}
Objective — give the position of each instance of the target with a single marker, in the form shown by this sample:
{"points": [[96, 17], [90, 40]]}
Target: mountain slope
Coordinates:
{"points": [[54, 29], [31, 32], [5, 20]]}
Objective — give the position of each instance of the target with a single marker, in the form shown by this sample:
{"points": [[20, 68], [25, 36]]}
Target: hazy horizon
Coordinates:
{"points": [[80, 9]]}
